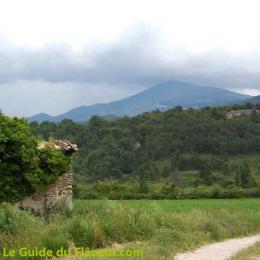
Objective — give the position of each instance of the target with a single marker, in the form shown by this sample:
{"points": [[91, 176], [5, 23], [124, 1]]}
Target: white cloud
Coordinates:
{"points": [[199, 25], [249, 91]]}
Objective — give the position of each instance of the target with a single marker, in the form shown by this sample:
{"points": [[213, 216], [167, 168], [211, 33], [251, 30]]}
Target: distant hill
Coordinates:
{"points": [[42, 117], [253, 100], [163, 97]]}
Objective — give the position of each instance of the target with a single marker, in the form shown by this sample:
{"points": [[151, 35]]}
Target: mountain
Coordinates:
{"points": [[253, 100], [163, 96], [41, 117]]}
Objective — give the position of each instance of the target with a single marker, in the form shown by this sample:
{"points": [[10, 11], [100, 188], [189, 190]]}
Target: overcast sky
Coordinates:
{"points": [[58, 54]]}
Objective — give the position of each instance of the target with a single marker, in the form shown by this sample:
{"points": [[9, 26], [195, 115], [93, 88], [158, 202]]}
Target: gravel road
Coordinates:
{"points": [[221, 250]]}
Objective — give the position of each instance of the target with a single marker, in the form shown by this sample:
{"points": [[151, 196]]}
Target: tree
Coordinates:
{"points": [[217, 114], [143, 187], [147, 171], [23, 167], [244, 177], [127, 162], [205, 173], [175, 168]]}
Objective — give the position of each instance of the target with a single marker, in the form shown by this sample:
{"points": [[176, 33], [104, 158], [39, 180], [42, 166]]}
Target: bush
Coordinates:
{"points": [[24, 168], [84, 234], [14, 221], [54, 239], [163, 191]]}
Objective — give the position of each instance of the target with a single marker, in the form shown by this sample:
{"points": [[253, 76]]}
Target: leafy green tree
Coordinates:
{"points": [[143, 187], [206, 172], [127, 162], [244, 177], [23, 167], [217, 114]]}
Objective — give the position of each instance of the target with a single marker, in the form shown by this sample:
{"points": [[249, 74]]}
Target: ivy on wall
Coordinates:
{"points": [[25, 169]]}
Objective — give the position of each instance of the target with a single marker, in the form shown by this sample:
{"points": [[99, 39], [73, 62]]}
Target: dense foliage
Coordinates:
{"points": [[187, 147], [24, 168]]}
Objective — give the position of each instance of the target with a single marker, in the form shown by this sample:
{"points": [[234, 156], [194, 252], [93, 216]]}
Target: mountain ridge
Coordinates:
{"points": [[253, 100], [162, 96]]}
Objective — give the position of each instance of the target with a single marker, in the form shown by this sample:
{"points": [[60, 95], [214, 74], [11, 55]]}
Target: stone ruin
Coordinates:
{"points": [[58, 194]]}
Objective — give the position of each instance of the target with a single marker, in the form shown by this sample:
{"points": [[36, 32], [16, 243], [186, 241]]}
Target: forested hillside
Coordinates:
{"points": [[187, 148]]}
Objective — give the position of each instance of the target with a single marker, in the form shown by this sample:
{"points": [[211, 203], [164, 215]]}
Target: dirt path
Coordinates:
{"points": [[220, 251]]}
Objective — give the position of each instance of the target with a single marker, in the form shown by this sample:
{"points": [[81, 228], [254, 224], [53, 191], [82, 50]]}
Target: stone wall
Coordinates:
{"points": [[58, 194]]}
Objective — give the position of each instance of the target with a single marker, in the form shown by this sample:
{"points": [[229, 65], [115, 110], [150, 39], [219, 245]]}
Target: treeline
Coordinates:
{"points": [[161, 190], [179, 145]]}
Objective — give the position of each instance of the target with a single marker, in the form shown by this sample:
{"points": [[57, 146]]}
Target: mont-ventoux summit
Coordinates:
{"points": [[163, 96]]}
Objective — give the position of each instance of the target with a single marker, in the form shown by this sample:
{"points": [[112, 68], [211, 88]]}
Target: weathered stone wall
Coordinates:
{"points": [[57, 194]]}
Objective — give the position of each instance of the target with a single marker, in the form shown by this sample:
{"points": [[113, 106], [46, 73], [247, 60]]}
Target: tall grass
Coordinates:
{"points": [[158, 231]]}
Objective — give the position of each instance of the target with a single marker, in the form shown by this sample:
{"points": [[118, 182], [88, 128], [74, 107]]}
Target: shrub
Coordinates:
{"points": [[14, 221], [54, 238], [24, 168], [85, 234]]}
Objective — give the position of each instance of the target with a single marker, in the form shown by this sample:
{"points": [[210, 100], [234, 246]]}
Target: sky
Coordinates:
{"points": [[59, 54]]}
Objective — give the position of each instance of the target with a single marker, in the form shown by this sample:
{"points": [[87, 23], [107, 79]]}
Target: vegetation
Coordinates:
{"points": [[24, 168], [161, 190], [183, 153], [251, 253], [177, 154], [160, 228]]}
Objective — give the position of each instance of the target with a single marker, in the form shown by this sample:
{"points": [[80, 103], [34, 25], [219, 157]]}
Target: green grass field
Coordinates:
{"points": [[182, 225], [161, 228], [177, 205]]}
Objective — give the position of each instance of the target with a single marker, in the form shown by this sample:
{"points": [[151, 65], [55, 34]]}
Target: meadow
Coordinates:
{"points": [[161, 228], [171, 206]]}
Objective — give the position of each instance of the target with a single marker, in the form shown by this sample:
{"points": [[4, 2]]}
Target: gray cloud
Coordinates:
{"points": [[136, 58], [133, 59], [103, 72]]}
